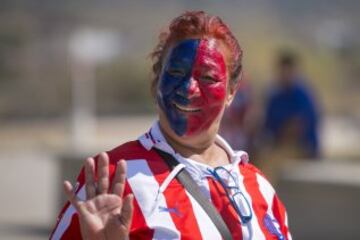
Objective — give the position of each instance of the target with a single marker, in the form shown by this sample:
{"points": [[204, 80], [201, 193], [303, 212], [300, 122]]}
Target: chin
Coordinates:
{"points": [[194, 132]]}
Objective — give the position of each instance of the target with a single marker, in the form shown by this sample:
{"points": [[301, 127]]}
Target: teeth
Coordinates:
{"points": [[186, 109]]}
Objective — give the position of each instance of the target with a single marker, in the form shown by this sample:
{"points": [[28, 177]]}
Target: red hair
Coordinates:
{"points": [[196, 23]]}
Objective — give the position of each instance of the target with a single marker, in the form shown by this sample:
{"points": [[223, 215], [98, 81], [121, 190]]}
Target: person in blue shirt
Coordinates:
{"points": [[291, 115]]}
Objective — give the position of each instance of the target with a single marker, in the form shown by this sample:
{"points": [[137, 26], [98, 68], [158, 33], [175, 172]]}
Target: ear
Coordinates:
{"points": [[233, 90]]}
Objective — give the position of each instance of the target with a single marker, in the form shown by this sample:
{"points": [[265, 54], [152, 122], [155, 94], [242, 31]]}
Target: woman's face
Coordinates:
{"points": [[192, 88]]}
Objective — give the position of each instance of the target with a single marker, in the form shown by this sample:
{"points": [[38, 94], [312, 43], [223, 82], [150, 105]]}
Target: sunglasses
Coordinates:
{"points": [[232, 189]]}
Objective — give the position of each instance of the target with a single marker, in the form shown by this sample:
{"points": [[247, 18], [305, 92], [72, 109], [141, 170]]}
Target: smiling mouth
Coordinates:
{"points": [[186, 109]]}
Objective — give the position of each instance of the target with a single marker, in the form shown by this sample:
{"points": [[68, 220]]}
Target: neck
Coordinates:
{"points": [[201, 148], [188, 146]]}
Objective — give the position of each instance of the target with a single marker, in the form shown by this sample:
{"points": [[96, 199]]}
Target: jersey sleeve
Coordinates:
{"points": [[279, 212], [275, 220], [67, 226], [276, 208]]}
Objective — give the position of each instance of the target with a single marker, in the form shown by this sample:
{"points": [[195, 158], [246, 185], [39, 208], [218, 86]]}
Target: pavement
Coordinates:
{"points": [[27, 181]]}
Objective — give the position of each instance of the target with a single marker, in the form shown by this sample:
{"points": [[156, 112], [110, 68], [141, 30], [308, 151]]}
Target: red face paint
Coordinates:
{"points": [[208, 85]]}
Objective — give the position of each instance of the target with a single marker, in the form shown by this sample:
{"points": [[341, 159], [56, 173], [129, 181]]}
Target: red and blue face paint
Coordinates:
{"points": [[192, 86]]}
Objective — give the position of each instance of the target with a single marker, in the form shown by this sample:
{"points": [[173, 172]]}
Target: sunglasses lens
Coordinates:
{"points": [[230, 182], [242, 204], [226, 177]]}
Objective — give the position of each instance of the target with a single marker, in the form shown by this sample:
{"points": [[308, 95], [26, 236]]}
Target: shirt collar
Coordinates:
{"points": [[155, 138]]}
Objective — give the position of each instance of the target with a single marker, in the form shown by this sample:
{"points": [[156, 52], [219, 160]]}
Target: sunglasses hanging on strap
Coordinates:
{"points": [[190, 185]]}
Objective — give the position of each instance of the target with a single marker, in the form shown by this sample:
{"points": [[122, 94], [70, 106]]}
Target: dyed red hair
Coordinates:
{"points": [[196, 23]]}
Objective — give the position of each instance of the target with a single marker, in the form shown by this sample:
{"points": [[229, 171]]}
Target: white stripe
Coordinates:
{"points": [[289, 237], [252, 229], [286, 221], [146, 191], [267, 191], [207, 228], [66, 219]]}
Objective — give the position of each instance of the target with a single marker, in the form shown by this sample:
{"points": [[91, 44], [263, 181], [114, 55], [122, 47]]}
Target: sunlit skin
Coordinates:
{"points": [[192, 94]]}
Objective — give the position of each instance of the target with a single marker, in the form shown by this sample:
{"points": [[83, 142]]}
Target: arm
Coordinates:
{"points": [[274, 217], [280, 214], [67, 225]]}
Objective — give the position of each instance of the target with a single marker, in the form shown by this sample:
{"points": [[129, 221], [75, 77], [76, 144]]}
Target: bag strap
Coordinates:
{"points": [[190, 185]]}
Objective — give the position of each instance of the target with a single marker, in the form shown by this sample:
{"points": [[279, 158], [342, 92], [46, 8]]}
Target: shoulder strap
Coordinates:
{"points": [[186, 180]]}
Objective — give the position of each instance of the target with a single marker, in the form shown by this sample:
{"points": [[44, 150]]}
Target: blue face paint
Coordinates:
{"points": [[193, 85], [175, 82]]}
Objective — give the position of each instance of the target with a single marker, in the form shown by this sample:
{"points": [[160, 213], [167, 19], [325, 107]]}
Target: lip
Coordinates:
{"points": [[186, 109]]}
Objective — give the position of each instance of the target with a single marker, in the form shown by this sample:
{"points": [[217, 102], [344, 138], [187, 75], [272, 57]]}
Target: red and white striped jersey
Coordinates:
{"points": [[163, 209]]}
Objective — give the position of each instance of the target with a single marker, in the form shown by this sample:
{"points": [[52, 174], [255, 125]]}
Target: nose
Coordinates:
{"points": [[194, 87], [189, 88]]}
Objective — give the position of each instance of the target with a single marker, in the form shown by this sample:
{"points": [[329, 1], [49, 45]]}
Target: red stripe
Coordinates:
{"points": [[259, 204], [226, 210], [73, 231], [279, 212], [175, 195], [70, 231]]}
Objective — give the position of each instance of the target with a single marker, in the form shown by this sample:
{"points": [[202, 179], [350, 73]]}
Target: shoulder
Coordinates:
{"points": [[254, 175], [302, 89], [272, 92], [252, 168], [126, 151], [129, 151], [137, 157]]}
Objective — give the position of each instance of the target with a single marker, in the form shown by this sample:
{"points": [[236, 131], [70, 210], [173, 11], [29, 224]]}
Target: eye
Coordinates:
{"points": [[208, 79], [176, 72]]}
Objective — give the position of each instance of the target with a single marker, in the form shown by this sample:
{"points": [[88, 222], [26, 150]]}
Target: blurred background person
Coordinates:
{"points": [[291, 119], [292, 114]]}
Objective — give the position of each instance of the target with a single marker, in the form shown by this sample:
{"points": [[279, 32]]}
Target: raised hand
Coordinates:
{"points": [[103, 215]]}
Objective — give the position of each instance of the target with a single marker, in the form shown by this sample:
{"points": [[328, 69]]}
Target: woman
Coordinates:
{"points": [[197, 68]]}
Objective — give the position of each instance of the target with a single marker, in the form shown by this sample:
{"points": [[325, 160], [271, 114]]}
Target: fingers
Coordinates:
{"points": [[127, 210], [103, 173], [71, 196], [119, 178], [90, 185]]}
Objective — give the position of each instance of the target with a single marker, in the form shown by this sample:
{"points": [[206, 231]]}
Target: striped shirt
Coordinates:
{"points": [[163, 209]]}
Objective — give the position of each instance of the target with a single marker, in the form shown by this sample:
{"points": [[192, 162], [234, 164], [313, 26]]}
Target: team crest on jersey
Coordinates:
{"points": [[273, 226]]}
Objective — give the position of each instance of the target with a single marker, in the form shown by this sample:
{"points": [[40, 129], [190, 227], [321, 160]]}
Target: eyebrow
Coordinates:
{"points": [[209, 65], [177, 62]]}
